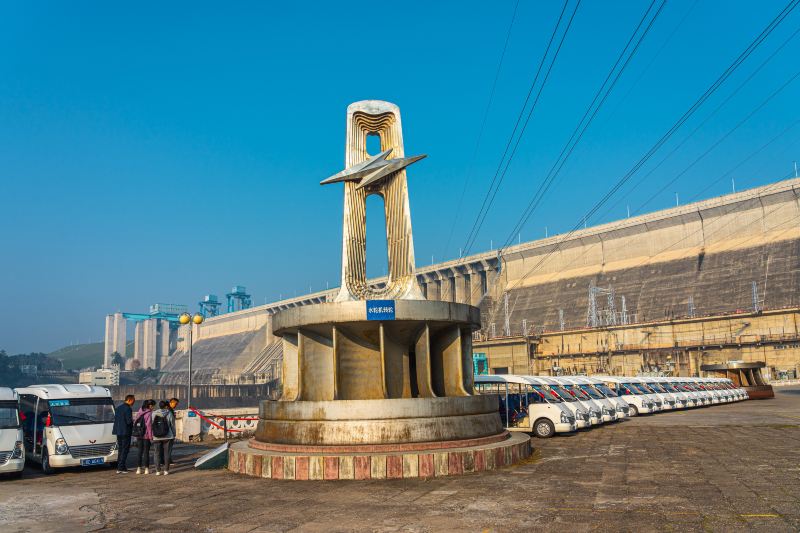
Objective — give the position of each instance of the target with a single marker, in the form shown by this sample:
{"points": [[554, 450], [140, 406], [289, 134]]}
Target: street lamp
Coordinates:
{"points": [[184, 319]]}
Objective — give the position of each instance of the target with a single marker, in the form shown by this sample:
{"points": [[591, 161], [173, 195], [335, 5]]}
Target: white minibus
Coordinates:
{"points": [[623, 410], [738, 393], [721, 386], [563, 390], [668, 400], [703, 394], [712, 395], [523, 408], [599, 392], [68, 425], [608, 411], [658, 401], [582, 418], [12, 452], [682, 400], [694, 394], [638, 401]]}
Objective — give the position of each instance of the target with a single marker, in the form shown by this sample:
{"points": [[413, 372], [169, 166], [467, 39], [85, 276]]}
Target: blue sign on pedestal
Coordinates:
{"points": [[380, 309]]}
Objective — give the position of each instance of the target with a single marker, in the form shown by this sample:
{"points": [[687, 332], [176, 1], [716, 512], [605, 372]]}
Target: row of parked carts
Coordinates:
{"points": [[545, 405]]}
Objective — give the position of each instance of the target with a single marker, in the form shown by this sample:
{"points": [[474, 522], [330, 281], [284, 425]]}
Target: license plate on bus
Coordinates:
{"points": [[93, 461]]}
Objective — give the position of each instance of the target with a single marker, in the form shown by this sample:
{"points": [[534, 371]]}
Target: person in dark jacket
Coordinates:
{"points": [[123, 428], [173, 403], [167, 422]]}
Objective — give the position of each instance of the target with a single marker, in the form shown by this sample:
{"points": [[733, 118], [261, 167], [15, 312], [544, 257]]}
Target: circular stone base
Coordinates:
{"points": [[378, 422], [414, 461]]}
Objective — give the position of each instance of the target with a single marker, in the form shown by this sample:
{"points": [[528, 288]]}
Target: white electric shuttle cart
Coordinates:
{"points": [[524, 408]]}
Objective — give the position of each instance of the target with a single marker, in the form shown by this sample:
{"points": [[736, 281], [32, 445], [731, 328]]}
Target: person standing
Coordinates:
{"points": [[173, 403], [123, 427], [143, 431], [163, 424]]}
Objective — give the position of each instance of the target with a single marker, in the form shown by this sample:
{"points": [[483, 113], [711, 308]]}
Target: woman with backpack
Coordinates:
{"points": [[143, 431], [163, 425]]}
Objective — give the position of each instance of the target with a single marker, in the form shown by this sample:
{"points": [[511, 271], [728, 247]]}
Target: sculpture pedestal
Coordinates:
{"points": [[376, 462], [354, 423], [372, 399]]}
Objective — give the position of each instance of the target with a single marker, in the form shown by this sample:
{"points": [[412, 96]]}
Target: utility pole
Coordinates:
{"points": [[506, 322], [756, 306]]}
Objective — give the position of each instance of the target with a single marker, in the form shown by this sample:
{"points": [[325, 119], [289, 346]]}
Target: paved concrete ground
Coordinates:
{"points": [[722, 468]]}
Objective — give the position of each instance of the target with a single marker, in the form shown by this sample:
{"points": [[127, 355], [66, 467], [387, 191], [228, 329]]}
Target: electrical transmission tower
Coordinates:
{"points": [[597, 316], [756, 303]]}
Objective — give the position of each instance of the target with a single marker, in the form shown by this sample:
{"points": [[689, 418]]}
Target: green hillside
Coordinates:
{"points": [[83, 355]]}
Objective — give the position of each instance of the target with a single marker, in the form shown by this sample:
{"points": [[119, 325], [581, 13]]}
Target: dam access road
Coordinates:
{"points": [[721, 468]]}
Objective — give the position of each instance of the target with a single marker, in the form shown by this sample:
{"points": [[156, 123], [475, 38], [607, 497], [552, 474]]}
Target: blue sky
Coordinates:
{"points": [[159, 152]]}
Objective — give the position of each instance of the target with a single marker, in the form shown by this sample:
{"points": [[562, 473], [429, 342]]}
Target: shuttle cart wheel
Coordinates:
{"points": [[543, 428], [633, 410], [46, 468]]}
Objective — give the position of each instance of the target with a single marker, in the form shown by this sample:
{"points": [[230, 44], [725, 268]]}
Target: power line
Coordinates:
{"points": [[702, 229], [646, 69], [719, 141], [604, 90], [482, 128], [703, 123], [766, 189], [666, 136], [746, 159], [489, 197]]}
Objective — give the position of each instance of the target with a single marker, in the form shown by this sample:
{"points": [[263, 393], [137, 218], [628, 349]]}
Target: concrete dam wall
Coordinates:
{"points": [[688, 261], [697, 259]]}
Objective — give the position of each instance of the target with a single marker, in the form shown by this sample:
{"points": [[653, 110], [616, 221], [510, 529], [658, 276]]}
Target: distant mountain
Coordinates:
{"points": [[80, 356]]}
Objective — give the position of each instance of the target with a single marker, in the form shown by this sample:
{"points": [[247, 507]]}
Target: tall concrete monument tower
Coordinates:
{"points": [[365, 175], [377, 383]]}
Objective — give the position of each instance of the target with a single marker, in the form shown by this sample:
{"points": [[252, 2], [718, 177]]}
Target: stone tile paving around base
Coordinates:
{"points": [[721, 468]]}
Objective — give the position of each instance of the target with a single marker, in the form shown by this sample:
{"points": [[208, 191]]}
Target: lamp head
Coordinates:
{"points": [[197, 318], [184, 318]]}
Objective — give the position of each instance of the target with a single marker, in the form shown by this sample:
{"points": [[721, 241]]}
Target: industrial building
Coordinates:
{"points": [[664, 292]]}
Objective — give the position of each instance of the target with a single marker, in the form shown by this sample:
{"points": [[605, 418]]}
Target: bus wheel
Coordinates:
{"points": [[543, 428], [633, 410], [46, 468]]}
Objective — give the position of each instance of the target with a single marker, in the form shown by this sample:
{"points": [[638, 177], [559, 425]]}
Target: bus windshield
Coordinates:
{"points": [[656, 387], [579, 393], [632, 388], [591, 391], [547, 395], [565, 395], [606, 390], [9, 415], [77, 411]]}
